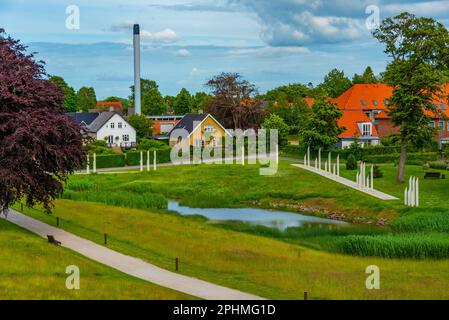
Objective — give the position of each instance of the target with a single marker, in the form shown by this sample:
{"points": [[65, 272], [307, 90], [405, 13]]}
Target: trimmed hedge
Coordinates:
{"points": [[439, 165], [386, 158], [108, 161]]}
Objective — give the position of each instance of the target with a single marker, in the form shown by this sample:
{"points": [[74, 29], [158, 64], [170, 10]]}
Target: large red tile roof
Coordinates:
{"points": [[350, 120]]}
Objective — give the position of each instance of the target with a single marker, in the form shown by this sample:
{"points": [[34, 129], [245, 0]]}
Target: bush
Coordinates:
{"points": [[351, 162], [394, 158], [120, 199], [147, 144], [422, 222], [377, 173], [439, 165], [108, 161], [416, 246]]}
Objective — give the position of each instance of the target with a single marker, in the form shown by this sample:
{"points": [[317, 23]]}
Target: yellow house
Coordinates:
{"points": [[203, 130]]}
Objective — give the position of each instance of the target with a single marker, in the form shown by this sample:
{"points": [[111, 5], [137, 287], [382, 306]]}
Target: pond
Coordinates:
{"points": [[273, 219]]}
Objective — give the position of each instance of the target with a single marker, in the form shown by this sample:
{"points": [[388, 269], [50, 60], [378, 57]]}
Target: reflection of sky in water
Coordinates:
{"points": [[274, 219]]}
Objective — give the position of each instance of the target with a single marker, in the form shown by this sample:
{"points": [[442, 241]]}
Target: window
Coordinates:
{"points": [[375, 103], [386, 102], [209, 129], [119, 125], [442, 106], [125, 138], [366, 129], [199, 143], [441, 125], [166, 128], [363, 103], [112, 125], [432, 124], [368, 114]]}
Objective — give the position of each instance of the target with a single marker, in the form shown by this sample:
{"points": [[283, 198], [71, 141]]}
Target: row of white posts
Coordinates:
{"points": [[365, 181], [94, 169], [329, 167], [411, 194]]}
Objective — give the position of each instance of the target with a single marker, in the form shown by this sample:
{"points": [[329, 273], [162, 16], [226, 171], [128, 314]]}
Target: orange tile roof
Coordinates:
{"points": [[109, 104], [350, 120], [365, 97]]}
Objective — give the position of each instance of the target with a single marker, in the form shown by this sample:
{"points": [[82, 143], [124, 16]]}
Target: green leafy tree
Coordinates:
{"points": [[289, 93], [69, 93], [322, 130], [142, 124], [335, 83], [86, 99], [275, 122], [294, 114], [153, 104], [183, 102], [419, 49], [367, 77], [200, 101]]}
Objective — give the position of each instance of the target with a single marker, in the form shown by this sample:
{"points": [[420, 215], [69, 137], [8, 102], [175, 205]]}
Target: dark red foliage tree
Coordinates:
{"points": [[39, 145], [234, 102]]}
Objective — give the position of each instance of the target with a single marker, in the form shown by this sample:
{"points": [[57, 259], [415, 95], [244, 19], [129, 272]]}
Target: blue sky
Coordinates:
{"points": [[186, 42]]}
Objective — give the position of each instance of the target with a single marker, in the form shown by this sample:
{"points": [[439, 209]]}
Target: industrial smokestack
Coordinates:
{"points": [[137, 93]]}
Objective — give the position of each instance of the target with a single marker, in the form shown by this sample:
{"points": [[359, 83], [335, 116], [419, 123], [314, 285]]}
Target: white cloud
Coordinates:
{"points": [[183, 53], [195, 72], [166, 36], [270, 51]]}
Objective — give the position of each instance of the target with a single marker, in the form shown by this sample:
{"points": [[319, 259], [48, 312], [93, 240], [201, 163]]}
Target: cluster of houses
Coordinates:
{"points": [[364, 108]]}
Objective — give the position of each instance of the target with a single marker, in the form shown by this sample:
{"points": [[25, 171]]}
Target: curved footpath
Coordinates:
{"points": [[130, 265]]}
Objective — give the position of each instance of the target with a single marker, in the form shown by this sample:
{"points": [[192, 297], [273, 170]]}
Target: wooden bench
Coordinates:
{"points": [[52, 240], [434, 175]]}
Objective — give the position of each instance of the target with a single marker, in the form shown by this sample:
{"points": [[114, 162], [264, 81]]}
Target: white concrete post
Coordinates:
{"points": [[305, 160], [325, 166], [277, 154], [243, 155], [154, 160], [417, 191], [372, 177], [95, 163], [316, 164], [338, 165], [319, 159], [141, 161], [406, 195], [88, 164], [330, 163], [308, 156]]}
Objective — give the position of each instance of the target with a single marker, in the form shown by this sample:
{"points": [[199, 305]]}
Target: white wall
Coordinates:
{"points": [[126, 129]]}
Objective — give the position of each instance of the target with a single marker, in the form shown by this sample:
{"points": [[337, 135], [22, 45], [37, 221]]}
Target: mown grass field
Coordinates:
{"points": [[32, 269], [259, 265], [265, 265]]}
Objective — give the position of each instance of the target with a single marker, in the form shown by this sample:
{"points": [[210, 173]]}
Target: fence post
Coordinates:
{"points": [[57, 221], [177, 264], [105, 238], [154, 160]]}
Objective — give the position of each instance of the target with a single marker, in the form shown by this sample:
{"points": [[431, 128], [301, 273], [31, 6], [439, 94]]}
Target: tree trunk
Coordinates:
{"points": [[401, 167]]}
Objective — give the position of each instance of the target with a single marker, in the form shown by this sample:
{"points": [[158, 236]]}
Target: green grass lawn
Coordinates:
{"points": [[265, 265], [30, 268], [259, 265]]}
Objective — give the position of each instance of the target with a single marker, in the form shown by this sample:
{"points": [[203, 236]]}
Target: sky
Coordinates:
{"points": [[186, 42]]}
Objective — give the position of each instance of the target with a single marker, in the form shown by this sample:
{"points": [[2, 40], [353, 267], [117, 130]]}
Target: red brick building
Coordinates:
{"points": [[164, 124]]}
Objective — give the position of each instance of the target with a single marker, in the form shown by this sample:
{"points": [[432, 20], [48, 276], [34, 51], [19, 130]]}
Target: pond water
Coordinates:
{"points": [[273, 219]]}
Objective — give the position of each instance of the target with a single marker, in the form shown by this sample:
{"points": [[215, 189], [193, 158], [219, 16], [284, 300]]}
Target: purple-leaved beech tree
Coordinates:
{"points": [[39, 145]]}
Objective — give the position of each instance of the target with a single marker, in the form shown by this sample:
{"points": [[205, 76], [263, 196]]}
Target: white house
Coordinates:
{"points": [[107, 126]]}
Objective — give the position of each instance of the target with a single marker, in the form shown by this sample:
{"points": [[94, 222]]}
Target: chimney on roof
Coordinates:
{"points": [[137, 93]]}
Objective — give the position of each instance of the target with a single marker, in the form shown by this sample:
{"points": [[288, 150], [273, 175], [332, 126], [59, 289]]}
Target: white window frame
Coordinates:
{"points": [[112, 125], [119, 125], [441, 125], [125, 138], [432, 124], [367, 128], [209, 129]]}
